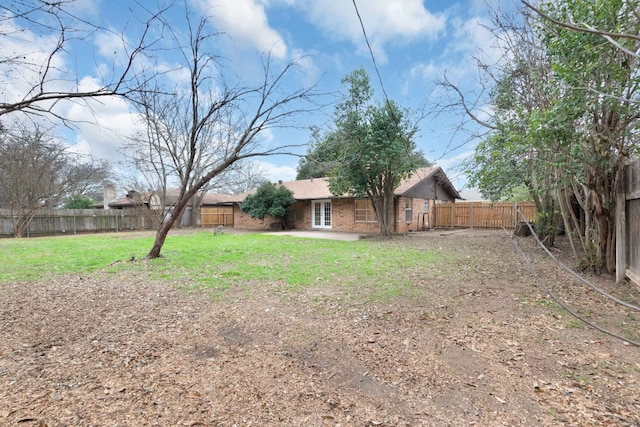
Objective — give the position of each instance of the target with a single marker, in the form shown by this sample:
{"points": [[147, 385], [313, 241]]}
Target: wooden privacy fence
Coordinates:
{"points": [[628, 226], [218, 216], [481, 214], [51, 222]]}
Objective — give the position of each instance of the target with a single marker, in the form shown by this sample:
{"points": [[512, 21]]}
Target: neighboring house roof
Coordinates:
{"points": [[171, 198], [121, 202], [218, 199], [472, 195], [426, 183]]}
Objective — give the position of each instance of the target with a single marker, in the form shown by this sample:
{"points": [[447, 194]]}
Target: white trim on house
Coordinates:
{"points": [[321, 213]]}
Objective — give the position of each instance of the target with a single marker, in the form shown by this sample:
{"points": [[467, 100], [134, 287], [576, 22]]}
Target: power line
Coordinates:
{"points": [[375, 66], [564, 306], [573, 273], [373, 58]]}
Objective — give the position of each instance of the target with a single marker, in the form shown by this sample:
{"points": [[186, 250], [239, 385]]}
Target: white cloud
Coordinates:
{"points": [[104, 124], [246, 23], [24, 56], [275, 173], [470, 41], [112, 46], [385, 21], [484, 113], [83, 7], [305, 61]]}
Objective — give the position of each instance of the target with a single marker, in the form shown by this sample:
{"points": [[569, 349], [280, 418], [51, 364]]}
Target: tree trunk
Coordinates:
{"points": [[161, 236], [20, 226], [384, 207], [164, 229]]}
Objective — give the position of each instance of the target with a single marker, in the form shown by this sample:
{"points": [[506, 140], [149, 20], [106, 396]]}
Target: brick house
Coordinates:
{"points": [[317, 209]]}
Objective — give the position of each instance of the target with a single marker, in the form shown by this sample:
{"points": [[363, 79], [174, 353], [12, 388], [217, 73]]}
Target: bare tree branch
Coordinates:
{"points": [[41, 99]]}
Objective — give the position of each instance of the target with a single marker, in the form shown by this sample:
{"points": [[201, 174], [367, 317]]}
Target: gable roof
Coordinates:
{"points": [[426, 183]]}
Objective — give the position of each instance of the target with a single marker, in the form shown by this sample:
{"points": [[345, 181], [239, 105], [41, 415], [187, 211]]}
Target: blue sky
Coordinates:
{"points": [[414, 43]]}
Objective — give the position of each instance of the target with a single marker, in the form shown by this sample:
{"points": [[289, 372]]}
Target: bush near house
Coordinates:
{"points": [[269, 201]]}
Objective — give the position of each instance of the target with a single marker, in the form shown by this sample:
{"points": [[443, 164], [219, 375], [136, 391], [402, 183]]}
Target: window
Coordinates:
{"points": [[364, 211], [321, 214], [408, 211]]}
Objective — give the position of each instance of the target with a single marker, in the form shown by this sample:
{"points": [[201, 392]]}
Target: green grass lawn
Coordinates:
{"points": [[202, 259]]}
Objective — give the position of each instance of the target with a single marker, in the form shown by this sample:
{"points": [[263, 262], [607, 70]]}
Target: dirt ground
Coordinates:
{"points": [[477, 343]]}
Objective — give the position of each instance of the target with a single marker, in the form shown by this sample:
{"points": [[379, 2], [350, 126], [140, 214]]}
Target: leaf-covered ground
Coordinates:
{"points": [[477, 342]]}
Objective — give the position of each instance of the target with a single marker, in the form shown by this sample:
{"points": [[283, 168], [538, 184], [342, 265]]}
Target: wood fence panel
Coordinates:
{"points": [[51, 222], [482, 214], [633, 241], [214, 217], [442, 215], [628, 226]]}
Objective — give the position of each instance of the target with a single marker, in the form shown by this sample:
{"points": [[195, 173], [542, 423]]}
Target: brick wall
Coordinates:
{"points": [[344, 211], [417, 208], [243, 220], [343, 217]]}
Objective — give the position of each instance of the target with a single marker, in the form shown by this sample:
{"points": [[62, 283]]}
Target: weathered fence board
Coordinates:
{"points": [[628, 226], [48, 222], [482, 214]]}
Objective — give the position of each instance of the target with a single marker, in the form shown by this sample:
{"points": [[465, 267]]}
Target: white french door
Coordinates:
{"points": [[321, 214]]}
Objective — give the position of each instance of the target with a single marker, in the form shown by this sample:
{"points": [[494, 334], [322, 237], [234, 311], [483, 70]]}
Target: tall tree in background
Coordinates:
{"points": [[325, 151], [197, 132], [375, 148], [78, 201], [323, 155], [37, 172], [239, 178]]}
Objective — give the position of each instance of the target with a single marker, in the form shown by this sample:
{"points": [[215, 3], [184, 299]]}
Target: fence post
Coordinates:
{"points": [[621, 237], [515, 215], [453, 214]]}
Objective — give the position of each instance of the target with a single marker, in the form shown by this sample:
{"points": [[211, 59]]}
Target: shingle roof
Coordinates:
{"points": [[423, 175], [415, 179], [217, 199], [304, 189], [318, 188], [308, 189]]}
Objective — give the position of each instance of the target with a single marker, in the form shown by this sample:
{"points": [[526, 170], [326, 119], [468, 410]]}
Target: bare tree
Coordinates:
{"points": [[240, 178], [36, 172], [196, 134], [39, 71]]}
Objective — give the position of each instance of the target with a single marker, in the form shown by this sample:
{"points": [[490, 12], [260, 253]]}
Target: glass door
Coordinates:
{"points": [[321, 214]]}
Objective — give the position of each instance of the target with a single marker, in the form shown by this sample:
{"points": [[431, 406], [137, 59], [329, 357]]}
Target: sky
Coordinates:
{"points": [[414, 44]]}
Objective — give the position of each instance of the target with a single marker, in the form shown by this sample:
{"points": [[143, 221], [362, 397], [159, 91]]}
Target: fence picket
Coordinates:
{"points": [[482, 214]]}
